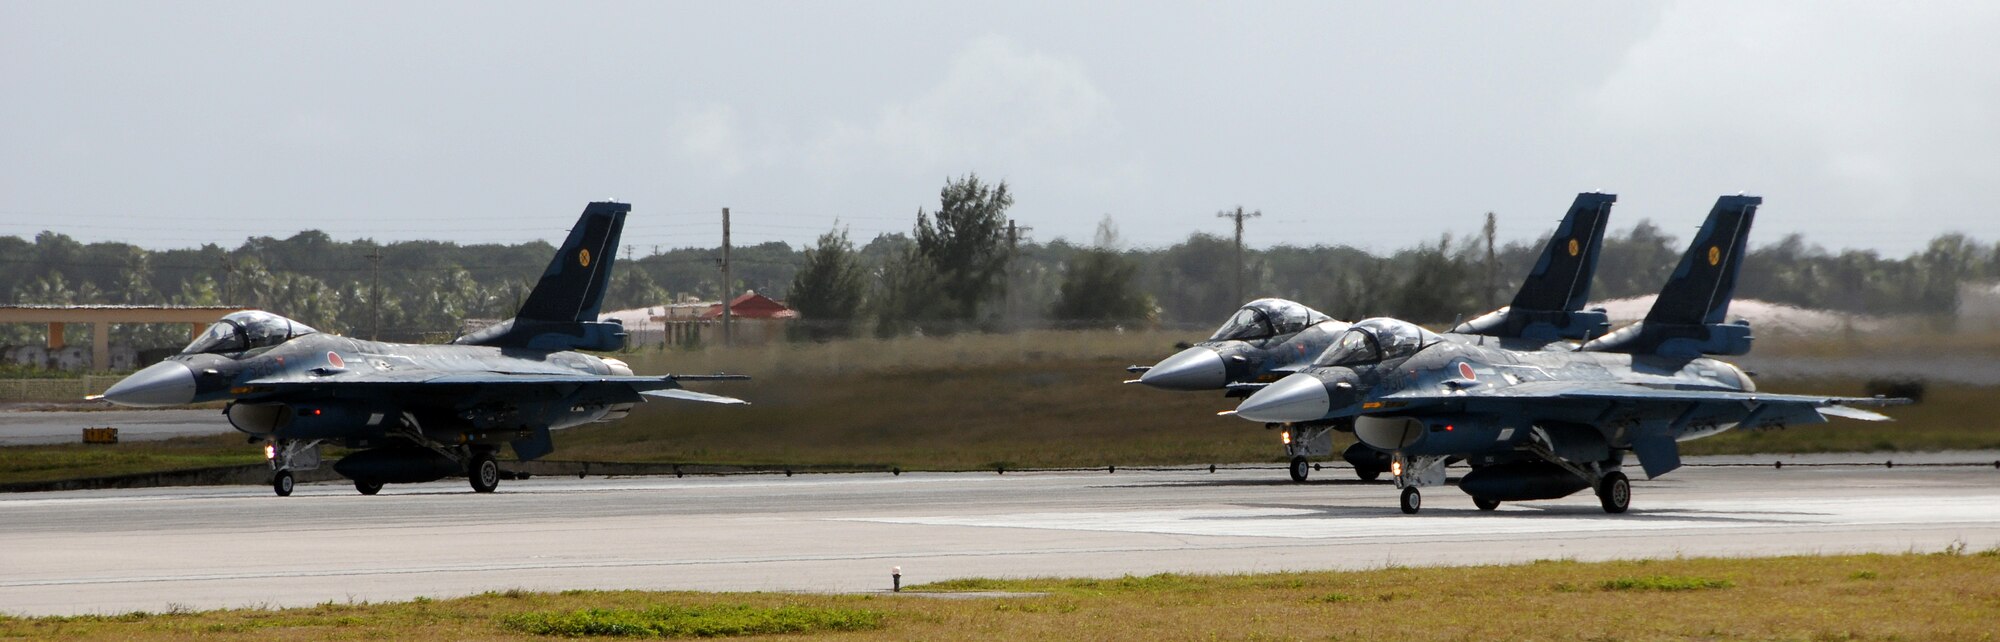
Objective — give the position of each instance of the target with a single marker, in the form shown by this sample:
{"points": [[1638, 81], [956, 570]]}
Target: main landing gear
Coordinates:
{"points": [[1614, 492], [484, 473]]}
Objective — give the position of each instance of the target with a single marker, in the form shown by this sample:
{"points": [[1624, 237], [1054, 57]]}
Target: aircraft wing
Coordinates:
{"points": [[494, 384], [1757, 409], [1656, 418]]}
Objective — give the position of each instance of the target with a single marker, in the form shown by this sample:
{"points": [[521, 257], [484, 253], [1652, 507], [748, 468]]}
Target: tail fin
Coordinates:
{"points": [[561, 311], [1550, 303], [1700, 289], [572, 289], [1687, 318]]}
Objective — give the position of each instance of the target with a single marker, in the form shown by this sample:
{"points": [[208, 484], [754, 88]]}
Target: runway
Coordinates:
{"points": [[126, 550], [27, 428]]}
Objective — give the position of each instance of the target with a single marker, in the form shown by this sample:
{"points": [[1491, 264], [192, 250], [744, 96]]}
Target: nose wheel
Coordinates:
{"points": [[1300, 469], [1413, 501], [281, 483]]}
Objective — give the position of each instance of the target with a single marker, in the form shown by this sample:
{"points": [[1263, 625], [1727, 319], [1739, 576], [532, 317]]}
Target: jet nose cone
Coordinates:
{"points": [[166, 383], [1299, 397], [1195, 368]]}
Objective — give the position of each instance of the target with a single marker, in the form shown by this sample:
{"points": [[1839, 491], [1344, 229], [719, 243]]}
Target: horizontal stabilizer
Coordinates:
{"points": [[709, 377], [690, 395], [1854, 413]]}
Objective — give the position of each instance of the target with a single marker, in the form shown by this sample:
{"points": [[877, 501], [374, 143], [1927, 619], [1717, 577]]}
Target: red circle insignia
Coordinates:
{"points": [[335, 360], [1465, 371]]}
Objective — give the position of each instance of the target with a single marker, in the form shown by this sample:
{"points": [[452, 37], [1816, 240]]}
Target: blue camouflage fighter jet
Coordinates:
{"points": [[418, 413], [1268, 339], [1537, 417]]}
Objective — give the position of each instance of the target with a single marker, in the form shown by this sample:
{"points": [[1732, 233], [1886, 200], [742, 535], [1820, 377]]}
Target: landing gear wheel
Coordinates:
{"points": [[1485, 504], [1412, 500], [367, 487], [1615, 493], [1367, 474], [1300, 469], [282, 483], [485, 474]]}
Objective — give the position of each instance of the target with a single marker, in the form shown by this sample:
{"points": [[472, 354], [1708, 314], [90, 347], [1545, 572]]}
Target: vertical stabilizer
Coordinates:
{"points": [[1700, 288], [572, 288], [1687, 320], [561, 312], [1550, 303]]}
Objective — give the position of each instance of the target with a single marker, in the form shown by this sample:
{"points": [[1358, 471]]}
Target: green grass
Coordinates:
{"points": [[670, 621], [1663, 583], [70, 461], [1949, 596]]}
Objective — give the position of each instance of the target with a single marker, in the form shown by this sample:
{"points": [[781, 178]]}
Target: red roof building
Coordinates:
{"points": [[752, 306]]}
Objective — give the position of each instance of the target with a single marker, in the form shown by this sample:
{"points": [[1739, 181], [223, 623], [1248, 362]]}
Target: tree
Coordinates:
{"points": [[1097, 287], [827, 290], [631, 288], [908, 295], [966, 246]]}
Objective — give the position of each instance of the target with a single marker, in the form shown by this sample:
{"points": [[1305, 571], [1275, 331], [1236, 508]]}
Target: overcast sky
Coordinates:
{"points": [[1378, 125]]}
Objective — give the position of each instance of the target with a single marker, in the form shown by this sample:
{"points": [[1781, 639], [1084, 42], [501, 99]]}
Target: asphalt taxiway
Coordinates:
{"points": [[27, 427], [156, 549]]}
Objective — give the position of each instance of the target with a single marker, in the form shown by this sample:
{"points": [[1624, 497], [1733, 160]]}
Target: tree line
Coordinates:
{"points": [[959, 269]]}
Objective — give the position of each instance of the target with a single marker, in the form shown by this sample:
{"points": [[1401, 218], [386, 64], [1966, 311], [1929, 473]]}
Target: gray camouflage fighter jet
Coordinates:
{"points": [[1263, 341], [1542, 420], [1270, 338], [417, 413]]}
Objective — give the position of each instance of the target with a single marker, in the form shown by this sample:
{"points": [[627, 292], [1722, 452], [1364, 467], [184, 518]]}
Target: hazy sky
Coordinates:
{"points": [[1867, 125]]}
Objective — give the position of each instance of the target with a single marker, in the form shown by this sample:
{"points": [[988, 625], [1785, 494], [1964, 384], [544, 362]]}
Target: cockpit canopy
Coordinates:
{"points": [[1264, 318], [1377, 339], [246, 330]]}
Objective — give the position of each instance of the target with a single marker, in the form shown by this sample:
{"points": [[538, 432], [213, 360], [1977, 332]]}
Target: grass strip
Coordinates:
{"points": [[672, 621], [1940, 596]]}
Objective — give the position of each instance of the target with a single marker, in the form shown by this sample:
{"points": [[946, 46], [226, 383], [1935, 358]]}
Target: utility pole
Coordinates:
{"points": [[1014, 233], [375, 295], [1239, 215], [727, 284], [1492, 287], [228, 275]]}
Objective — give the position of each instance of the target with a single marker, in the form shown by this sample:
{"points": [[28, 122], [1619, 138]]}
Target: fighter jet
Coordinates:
{"points": [[418, 413], [1545, 422], [1263, 341], [1270, 338]]}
